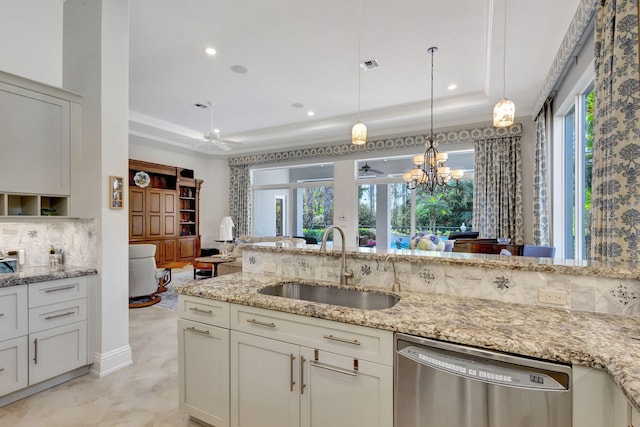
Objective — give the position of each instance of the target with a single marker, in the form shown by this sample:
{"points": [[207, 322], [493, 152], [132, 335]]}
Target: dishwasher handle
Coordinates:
{"points": [[484, 370]]}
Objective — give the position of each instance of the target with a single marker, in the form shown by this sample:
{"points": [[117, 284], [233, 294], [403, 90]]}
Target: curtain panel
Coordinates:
{"points": [[239, 198], [497, 193], [541, 202], [615, 205]]}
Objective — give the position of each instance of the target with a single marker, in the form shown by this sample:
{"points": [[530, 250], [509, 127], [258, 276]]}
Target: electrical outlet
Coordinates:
{"points": [[552, 296]]}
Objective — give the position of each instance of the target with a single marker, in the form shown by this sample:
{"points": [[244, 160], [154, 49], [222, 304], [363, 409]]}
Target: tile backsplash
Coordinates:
{"points": [[586, 293], [76, 237]]}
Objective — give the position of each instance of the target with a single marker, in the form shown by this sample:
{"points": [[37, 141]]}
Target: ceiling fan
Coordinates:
{"points": [[212, 140], [365, 170]]}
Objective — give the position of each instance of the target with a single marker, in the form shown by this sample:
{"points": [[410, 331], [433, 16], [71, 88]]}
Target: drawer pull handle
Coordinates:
{"points": [[291, 381], [333, 368], [35, 351], [302, 384], [198, 331], [55, 316], [199, 310], [259, 323], [344, 340], [61, 288]]}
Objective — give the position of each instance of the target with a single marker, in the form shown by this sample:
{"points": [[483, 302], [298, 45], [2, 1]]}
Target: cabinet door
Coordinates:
{"points": [[187, 248], [264, 382], [13, 312], [203, 365], [168, 251], [343, 392], [56, 351], [136, 213], [35, 130], [161, 213], [13, 365]]}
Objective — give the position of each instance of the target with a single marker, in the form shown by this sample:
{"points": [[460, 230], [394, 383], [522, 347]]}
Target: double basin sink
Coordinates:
{"points": [[364, 300]]}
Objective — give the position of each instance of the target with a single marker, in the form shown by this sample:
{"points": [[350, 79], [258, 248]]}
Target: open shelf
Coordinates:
{"points": [[33, 205]]}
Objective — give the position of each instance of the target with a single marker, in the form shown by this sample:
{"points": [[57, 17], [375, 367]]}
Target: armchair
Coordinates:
{"points": [[143, 276]]}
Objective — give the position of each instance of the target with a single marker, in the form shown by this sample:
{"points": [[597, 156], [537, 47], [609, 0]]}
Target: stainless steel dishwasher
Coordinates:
{"points": [[440, 384]]}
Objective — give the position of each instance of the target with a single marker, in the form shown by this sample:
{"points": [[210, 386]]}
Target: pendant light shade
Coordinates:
{"points": [[504, 113], [359, 134]]}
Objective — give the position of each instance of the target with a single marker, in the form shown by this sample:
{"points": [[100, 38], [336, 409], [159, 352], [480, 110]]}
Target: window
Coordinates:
{"points": [[292, 201], [389, 213], [572, 199]]}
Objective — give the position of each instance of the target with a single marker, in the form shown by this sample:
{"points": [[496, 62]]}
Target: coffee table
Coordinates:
{"points": [[209, 263]]}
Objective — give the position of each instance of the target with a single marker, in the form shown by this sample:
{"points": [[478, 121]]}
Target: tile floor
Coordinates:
{"points": [[142, 395]]}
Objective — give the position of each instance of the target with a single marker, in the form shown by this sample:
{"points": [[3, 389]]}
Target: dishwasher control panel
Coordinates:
{"points": [[482, 369]]}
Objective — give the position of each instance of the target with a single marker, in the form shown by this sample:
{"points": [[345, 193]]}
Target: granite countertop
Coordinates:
{"points": [[596, 340], [26, 275], [544, 265]]}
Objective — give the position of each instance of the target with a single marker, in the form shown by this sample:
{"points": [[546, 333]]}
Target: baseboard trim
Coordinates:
{"points": [[36, 388], [114, 360]]}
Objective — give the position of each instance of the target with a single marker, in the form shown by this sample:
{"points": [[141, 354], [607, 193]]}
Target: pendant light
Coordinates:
{"points": [[359, 130], [505, 110]]}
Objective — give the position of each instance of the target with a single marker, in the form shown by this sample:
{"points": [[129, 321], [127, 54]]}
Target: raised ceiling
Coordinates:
{"points": [[299, 52]]}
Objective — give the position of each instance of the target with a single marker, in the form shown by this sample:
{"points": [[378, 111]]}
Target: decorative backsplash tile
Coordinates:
{"points": [[76, 237], [599, 294]]}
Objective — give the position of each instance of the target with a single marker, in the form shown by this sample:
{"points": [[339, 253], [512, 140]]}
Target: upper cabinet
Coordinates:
{"points": [[37, 124]]}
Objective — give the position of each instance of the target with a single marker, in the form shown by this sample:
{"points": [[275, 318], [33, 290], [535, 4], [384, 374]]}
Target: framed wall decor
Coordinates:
{"points": [[116, 200]]}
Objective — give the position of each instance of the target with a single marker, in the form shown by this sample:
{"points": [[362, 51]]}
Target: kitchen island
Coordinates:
{"points": [[577, 337]]}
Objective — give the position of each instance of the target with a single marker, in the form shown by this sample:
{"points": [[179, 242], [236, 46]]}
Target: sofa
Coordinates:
{"points": [[235, 250]]}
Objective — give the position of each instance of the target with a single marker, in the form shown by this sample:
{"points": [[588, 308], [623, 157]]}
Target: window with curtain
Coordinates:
{"points": [[574, 170]]}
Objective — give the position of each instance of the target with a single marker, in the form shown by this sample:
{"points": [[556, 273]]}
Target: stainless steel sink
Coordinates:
{"points": [[363, 300]]}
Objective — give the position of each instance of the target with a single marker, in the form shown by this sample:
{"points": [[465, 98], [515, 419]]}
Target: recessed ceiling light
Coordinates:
{"points": [[210, 51], [200, 105], [216, 131], [452, 86], [240, 69], [310, 113]]}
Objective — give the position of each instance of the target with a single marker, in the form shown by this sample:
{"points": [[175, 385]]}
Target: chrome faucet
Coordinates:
{"points": [[396, 282], [344, 273]]}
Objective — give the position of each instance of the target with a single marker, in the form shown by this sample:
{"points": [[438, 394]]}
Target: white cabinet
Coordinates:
{"points": [[36, 130], [203, 359], [43, 331], [250, 367], [13, 339], [308, 372], [57, 327]]}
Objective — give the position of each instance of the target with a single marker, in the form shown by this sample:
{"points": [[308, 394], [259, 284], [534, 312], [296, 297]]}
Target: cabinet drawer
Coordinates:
{"points": [[211, 312], [55, 291], [13, 312], [360, 342], [14, 373], [53, 315], [56, 351]]}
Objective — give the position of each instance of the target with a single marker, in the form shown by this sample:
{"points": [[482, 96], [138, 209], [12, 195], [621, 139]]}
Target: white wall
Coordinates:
{"points": [[96, 64], [214, 195], [31, 39]]}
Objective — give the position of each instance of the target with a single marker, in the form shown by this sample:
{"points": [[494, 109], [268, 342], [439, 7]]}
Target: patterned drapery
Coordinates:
{"points": [[615, 203], [541, 202], [239, 198], [497, 192]]}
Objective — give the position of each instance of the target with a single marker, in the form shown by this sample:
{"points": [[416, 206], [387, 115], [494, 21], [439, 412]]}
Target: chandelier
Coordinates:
{"points": [[429, 170]]}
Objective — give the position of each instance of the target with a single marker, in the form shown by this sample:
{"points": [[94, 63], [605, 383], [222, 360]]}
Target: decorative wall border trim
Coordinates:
{"points": [[449, 137], [581, 20]]}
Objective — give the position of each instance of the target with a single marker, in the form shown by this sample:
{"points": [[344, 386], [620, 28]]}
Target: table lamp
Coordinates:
{"points": [[226, 234]]}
